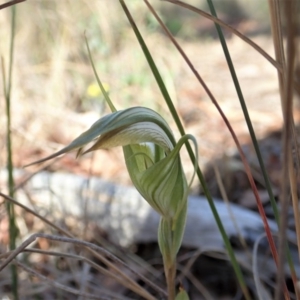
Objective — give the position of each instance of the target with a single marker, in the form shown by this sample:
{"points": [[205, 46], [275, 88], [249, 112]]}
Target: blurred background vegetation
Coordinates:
{"points": [[52, 75], [51, 55]]}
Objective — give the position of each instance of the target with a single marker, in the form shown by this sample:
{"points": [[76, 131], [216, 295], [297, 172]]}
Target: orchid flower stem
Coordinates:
{"points": [[169, 257], [170, 273]]}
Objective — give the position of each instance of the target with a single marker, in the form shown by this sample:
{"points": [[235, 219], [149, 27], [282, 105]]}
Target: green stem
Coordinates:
{"points": [[10, 208], [168, 248], [170, 274]]}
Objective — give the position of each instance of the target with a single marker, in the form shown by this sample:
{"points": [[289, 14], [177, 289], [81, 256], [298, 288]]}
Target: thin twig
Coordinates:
{"points": [[231, 29], [195, 281], [287, 108], [77, 257], [67, 255], [10, 3], [31, 175], [276, 63], [259, 288], [59, 285], [95, 248], [126, 281], [226, 200]]}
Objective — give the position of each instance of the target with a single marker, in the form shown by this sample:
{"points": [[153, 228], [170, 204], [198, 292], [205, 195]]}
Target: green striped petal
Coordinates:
{"points": [[112, 128], [163, 184], [137, 133]]}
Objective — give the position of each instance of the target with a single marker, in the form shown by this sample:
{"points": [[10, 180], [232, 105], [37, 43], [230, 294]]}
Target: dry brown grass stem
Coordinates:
{"points": [[60, 254], [250, 42], [57, 284], [185, 272], [10, 3], [277, 41], [95, 250], [286, 87], [31, 175], [100, 253], [75, 257], [226, 200], [231, 29]]}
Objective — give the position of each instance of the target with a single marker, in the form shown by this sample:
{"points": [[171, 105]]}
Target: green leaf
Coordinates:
{"points": [[182, 295]]}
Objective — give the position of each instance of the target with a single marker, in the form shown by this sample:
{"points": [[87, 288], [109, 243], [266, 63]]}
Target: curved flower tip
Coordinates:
{"points": [[130, 126]]}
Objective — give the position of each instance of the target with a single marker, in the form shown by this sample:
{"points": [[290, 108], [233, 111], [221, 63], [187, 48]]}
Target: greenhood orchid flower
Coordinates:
{"points": [[153, 163], [151, 154]]}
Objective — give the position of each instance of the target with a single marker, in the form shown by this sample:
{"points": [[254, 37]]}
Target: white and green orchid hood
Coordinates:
{"points": [[153, 163]]}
